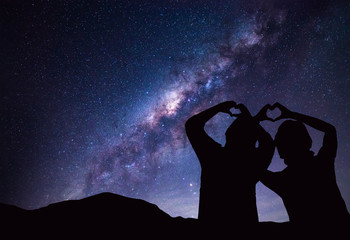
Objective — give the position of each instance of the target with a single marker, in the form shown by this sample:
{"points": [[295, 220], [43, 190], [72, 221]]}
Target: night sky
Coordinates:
{"points": [[95, 94]]}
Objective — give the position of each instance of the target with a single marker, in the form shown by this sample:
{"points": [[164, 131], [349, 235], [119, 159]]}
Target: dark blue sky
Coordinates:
{"points": [[94, 95]]}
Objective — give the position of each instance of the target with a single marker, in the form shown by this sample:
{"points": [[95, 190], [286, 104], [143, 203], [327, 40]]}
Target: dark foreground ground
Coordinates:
{"points": [[117, 217]]}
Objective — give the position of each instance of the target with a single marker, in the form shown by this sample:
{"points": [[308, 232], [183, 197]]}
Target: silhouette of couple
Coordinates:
{"points": [[307, 185]]}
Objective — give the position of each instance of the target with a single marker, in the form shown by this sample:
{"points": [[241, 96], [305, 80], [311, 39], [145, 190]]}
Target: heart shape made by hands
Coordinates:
{"points": [[235, 111], [273, 113]]}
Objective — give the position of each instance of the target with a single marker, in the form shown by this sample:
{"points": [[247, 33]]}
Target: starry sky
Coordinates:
{"points": [[95, 94]]}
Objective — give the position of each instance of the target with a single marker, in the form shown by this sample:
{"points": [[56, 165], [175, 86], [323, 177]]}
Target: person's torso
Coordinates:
{"points": [[310, 193]]}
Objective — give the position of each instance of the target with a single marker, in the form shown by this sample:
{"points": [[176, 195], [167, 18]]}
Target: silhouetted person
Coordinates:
{"points": [[308, 184], [229, 173]]}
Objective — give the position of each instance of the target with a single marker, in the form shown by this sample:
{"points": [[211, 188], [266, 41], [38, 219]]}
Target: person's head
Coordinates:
{"points": [[241, 134], [293, 142]]}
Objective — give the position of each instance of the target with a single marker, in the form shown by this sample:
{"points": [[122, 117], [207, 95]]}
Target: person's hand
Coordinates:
{"points": [[262, 114], [285, 112], [244, 110], [225, 107]]}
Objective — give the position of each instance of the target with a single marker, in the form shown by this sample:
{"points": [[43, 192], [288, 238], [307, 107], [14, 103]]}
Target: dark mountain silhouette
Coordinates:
{"points": [[109, 214], [104, 213]]}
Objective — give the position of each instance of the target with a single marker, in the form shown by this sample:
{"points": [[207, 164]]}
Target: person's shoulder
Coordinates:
{"points": [[323, 160]]}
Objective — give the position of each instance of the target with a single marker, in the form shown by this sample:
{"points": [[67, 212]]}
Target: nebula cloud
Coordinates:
{"points": [[104, 96]]}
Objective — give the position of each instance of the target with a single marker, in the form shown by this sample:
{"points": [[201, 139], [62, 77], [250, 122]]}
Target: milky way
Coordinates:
{"points": [[96, 95]]}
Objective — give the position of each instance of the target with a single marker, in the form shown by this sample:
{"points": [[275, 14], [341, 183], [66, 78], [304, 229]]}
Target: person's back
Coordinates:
{"points": [[229, 173], [223, 180], [307, 185]]}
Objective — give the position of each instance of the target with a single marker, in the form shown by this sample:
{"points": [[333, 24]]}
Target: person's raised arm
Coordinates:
{"points": [[199, 139], [265, 151], [201, 118], [329, 146]]}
